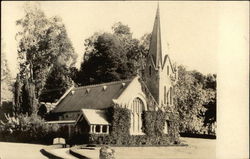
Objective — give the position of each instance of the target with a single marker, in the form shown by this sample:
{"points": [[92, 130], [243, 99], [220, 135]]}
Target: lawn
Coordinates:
{"points": [[9, 150], [198, 148]]}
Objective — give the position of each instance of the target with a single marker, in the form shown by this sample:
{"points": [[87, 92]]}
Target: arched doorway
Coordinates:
{"points": [[137, 108]]}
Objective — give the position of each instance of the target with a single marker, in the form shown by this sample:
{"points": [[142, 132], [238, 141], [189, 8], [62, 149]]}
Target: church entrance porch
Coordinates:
{"points": [[92, 121]]}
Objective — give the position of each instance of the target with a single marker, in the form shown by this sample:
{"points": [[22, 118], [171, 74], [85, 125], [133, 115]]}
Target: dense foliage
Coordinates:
{"points": [[58, 81], [6, 84], [153, 125], [26, 128], [195, 96], [111, 56], [120, 124], [43, 46]]}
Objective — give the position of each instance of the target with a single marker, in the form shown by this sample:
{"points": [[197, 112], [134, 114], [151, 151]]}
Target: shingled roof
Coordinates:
{"points": [[91, 97]]}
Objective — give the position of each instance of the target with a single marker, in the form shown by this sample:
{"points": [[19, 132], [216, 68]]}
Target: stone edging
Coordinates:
{"points": [[48, 153], [73, 152]]}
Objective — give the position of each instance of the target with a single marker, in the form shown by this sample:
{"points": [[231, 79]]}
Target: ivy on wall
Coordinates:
{"points": [[153, 126], [120, 124]]}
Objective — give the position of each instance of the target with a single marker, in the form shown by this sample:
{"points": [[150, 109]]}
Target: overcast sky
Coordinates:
{"points": [[190, 28]]}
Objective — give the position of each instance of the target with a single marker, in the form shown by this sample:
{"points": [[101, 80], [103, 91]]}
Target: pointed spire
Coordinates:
{"points": [[155, 43]]}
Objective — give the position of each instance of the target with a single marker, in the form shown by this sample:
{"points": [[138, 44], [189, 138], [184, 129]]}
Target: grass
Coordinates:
{"points": [[21, 151], [198, 148]]}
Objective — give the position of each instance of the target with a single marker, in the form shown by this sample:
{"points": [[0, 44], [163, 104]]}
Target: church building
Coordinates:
{"points": [[82, 109]]}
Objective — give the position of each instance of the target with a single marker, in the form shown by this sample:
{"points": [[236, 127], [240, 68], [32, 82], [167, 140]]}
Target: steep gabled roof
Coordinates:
{"points": [[91, 97], [165, 61]]}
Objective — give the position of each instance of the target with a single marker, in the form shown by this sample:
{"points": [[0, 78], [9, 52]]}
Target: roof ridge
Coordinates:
{"points": [[101, 84]]}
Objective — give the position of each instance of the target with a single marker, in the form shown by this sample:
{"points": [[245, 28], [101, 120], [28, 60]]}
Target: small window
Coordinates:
{"points": [[168, 70], [166, 127], [97, 129], [104, 128]]}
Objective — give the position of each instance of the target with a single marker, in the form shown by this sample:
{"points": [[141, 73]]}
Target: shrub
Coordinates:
{"points": [[27, 129]]}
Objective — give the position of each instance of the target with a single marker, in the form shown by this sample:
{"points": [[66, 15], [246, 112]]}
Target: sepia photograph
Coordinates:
{"points": [[124, 79]]}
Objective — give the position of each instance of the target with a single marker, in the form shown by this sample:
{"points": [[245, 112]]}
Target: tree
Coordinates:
{"points": [[191, 98], [29, 102], [6, 84], [121, 29], [56, 84], [43, 44], [111, 56], [210, 114], [17, 94], [107, 62]]}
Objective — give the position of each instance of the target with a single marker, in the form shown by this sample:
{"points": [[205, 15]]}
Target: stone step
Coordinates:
{"points": [[58, 153]]}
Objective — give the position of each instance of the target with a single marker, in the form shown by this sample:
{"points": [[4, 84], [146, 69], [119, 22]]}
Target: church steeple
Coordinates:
{"points": [[155, 50], [159, 72]]}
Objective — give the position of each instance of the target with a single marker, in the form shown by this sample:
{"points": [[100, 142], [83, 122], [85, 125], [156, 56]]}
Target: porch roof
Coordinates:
{"points": [[94, 117]]}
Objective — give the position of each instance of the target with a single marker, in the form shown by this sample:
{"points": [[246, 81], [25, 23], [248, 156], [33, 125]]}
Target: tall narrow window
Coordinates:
{"points": [[171, 95], [168, 70], [150, 70], [166, 127], [137, 108], [165, 95]]}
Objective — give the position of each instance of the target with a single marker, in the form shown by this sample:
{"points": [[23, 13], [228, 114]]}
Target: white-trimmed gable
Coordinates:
{"points": [[167, 63], [133, 91]]}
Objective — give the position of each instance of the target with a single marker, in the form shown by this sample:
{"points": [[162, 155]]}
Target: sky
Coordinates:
{"points": [[189, 29]]}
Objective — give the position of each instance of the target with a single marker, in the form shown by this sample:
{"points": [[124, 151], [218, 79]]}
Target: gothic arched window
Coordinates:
{"points": [[137, 108]]}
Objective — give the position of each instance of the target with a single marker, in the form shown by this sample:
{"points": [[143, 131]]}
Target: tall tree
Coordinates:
{"points": [[191, 98], [111, 56], [6, 84], [17, 94], [43, 43], [57, 83], [210, 114]]}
